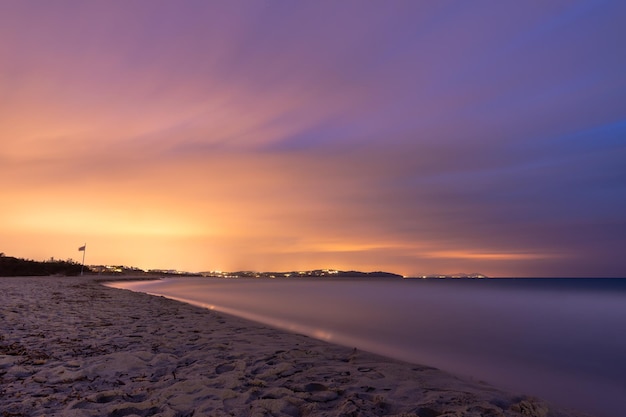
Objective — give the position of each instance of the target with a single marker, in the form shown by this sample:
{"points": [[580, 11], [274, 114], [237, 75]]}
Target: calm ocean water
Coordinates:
{"points": [[560, 339]]}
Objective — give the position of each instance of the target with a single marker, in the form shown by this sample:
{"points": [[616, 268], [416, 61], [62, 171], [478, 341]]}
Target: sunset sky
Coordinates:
{"points": [[408, 136]]}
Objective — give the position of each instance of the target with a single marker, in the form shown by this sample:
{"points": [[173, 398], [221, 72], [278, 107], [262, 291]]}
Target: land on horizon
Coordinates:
{"points": [[12, 266]]}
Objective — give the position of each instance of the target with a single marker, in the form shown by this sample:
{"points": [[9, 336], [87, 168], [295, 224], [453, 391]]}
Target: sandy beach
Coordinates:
{"points": [[73, 347]]}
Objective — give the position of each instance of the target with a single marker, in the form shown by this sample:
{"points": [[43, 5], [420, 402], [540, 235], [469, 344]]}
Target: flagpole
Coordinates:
{"points": [[82, 266]]}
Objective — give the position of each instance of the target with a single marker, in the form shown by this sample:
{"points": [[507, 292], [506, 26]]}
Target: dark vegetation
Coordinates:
{"points": [[14, 267]]}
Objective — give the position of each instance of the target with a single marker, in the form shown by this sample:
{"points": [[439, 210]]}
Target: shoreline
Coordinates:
{"points": [[74, 347]]}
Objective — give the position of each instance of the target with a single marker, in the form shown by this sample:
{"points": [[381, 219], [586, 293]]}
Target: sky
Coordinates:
{"points": [[407, 136]]}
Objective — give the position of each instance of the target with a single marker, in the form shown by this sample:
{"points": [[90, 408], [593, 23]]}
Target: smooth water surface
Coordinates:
{"points": [[563, 340]]}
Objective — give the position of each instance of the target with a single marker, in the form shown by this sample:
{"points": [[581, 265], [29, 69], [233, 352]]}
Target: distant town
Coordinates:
{"points": [[315, 273], [11, 266]]}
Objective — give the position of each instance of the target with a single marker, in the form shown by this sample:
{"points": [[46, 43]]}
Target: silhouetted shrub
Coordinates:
{"points": [[11, 267]]}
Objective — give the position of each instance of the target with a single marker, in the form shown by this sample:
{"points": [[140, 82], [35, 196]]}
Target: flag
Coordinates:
{"points": [[82, 248]]}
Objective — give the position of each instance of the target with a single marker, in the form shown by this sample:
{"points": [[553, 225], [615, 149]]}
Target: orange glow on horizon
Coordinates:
{"points": [[460, 254]]}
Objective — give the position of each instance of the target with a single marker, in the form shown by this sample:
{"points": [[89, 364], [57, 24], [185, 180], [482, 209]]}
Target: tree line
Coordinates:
{"points": [[15, 267]]}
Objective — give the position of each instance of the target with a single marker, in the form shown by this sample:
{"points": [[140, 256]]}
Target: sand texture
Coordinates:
{"points": [[72, 347]]}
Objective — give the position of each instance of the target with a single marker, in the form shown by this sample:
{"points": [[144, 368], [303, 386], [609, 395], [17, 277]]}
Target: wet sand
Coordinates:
{"points": [[73, 347]]}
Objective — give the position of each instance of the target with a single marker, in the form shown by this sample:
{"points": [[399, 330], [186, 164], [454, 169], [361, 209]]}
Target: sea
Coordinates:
{"points": [[560, 339]]}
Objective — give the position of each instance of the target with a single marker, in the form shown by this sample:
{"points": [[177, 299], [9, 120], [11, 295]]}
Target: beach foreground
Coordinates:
{"points": [[73, 347]]}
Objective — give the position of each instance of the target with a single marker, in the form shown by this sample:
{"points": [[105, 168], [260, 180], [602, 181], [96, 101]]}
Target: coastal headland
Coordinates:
{"points": [[73, 347]]}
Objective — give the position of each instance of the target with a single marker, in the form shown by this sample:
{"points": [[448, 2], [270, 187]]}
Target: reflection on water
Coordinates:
{"points": [[563, 340]]}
